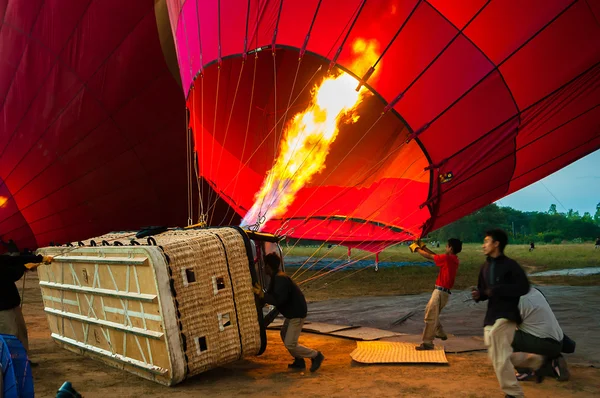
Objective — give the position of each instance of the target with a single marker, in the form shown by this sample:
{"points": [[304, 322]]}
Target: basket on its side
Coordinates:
{"points": [[165, 308]]}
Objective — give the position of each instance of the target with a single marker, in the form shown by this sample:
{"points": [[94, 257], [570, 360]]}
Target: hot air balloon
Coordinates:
{"points": [[458, 104], [92, 120]]}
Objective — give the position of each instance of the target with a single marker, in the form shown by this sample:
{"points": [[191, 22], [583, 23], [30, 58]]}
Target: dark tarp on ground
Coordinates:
{"points": [[577, 309]]}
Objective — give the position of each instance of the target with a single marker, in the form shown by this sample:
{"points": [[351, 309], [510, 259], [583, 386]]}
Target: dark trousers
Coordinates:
{"points": [[525, 342]]}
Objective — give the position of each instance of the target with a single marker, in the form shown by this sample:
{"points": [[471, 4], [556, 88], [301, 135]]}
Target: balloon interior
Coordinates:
{"points": [[284, 163], [306, 140]]}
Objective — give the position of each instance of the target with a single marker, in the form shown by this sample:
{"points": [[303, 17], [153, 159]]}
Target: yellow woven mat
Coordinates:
{"points": [[393, 352]]}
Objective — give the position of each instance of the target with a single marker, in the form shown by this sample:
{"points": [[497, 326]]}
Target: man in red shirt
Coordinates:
{"points": [[448, 264]]}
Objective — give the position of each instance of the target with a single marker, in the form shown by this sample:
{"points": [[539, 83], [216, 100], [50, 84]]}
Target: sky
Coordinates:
{"points": [[576, 187]]}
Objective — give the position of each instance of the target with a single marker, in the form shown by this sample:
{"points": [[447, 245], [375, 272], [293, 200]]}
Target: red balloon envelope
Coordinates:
{"points": [[470, 101], [87, 108]]}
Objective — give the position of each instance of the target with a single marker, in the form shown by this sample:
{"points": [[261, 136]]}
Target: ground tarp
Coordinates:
{"points": [[577, 309]]}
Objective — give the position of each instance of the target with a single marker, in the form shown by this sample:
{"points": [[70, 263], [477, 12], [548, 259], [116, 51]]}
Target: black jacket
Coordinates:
{"points": [[12, 269], [508, 284], [286, 296]]}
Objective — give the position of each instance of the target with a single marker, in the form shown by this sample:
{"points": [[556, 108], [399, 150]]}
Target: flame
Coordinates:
{"points": [[3, 200], [308, 137], [367, 52]]}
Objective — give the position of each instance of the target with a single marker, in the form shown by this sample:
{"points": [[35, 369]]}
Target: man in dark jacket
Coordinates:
{"points": [[12, 269], [501, 282], [287, 297]]}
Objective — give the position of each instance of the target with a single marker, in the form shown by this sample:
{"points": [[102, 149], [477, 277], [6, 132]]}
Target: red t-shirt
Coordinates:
{"points": [[448, 264]]}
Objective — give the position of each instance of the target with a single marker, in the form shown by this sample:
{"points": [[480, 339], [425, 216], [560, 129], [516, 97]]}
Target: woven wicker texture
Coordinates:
{"points": [[217, 261], [392, 352], [221, 290], [242, 286]]}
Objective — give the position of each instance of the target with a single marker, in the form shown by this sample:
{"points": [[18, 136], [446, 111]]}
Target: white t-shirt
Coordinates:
{"points": [[538, 318]]}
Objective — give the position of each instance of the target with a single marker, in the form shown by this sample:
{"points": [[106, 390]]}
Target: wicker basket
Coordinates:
{"points": [[167, 307]]}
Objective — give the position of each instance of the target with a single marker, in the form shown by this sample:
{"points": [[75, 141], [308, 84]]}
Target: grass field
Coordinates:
{"points": [[419, 279]]}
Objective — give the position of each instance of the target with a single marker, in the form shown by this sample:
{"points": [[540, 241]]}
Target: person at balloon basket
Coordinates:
{"points": [[12, 268], [501, 282], [448, 264], [287, 297], [539, 341]]}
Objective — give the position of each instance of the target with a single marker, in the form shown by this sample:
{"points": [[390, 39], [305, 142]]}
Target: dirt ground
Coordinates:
{"points": [[467, 375]]}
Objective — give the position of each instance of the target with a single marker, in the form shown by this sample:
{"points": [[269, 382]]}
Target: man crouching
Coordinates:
{"points": [[287, 297], [539, 341]]}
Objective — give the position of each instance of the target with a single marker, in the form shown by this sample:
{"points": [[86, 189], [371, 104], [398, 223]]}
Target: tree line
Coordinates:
{"points": [[524, 227]]}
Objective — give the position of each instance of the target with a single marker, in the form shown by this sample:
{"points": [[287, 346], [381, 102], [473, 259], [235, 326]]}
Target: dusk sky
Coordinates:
{"points": [[576, 187]]}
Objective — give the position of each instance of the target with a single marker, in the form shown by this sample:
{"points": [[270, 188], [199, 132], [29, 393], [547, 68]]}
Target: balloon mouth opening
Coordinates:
{"points": [[239, 109]]}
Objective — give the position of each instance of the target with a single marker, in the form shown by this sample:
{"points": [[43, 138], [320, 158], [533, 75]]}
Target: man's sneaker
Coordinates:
{"points": [[559, 365], [530, 375], [316, 362], [443, 337], [526, 376], [298, 364], [424, 347]]}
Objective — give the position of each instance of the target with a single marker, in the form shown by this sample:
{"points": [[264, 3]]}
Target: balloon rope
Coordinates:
{"points": [[514, 178], [202, 141], [237, 87], [320, 273], [283, 119], [365, 240], [195, 161], [212, 147], [99, 237], [270, 132], [398, 148], [352, 215], [343, 277], [349, 217], [245, 134], [396, 194], [270, 176], [366, 174]]}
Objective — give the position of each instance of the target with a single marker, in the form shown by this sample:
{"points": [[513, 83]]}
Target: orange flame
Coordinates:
{"points": [[367, 52], [308, 137], [3, 201]]}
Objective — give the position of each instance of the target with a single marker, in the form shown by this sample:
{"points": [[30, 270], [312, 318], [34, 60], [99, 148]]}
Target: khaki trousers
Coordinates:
{"points": [[526, 360], [12, 322], [498, 338], [290, 332], [433, 327]]}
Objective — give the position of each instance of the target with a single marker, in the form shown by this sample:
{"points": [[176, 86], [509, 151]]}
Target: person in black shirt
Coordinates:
{"points": [[12, 269], [501, 282], [287, 297]]}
